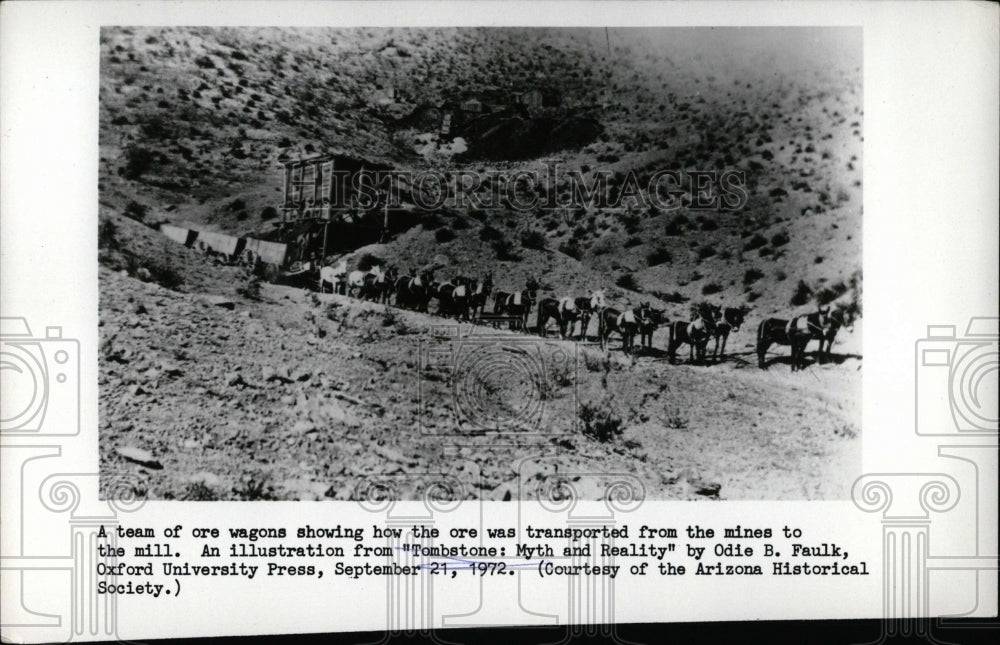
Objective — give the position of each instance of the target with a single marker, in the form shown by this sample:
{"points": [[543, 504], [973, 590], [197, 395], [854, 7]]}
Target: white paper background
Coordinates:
{"points": [[930, 248]]}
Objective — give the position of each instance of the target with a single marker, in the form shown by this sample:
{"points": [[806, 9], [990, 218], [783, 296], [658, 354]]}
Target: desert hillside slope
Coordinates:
{"points": [[214, 386]]}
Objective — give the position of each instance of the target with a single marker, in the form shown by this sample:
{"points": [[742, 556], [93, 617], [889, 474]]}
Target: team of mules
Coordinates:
{"points": [[821, 325], [466, 298]]}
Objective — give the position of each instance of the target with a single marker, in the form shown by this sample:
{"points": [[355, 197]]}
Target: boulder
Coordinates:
{"points": [[218, 301], [139, 456]]}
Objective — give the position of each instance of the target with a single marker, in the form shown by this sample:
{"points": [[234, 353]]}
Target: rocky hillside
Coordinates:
{"points": [[194, 120], [213, 386]]}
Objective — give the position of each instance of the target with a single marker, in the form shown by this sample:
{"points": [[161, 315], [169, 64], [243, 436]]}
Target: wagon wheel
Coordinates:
{"points": [[202, 246], [271, 272]]}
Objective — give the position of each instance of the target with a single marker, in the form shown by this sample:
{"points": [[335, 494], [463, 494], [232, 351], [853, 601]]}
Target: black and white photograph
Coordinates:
{"points": [[569, 318], [337, 263]]}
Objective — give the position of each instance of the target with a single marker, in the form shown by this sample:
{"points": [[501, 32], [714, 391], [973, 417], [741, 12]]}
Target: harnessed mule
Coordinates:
{"points": [[356, 280], [412, 291], [842, 316], [333, 276], [654, 319], [479, 296], [607, 324], [695, 333], [550, 308], [630, 324], [732, 320], [516, 304], [796, 333], [377, 285], [585, 308]]}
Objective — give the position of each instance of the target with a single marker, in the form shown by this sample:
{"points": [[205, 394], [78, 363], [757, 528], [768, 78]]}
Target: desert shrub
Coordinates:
{"points": [[107, 235], [631, 222], [236, 205], [136, 211], [627, 281], [368, 261], [780, 275], [204, 62], [600, 421], [199, 492], [755, 242], [674, 418], [162, 274], [676, 225], [155, 127], [254, 487], [711, 288], [778, 192], [752, 275], [269, 212], [571, 248], [826, 295], [818, 259], [705, 252], [659, 256], [633, 240], [779, 239], [803, 292], [504, 250], [675, 298], [533, 240], [138, 161], [443, 235], [708, 224], [604, 246], [488, 233]]}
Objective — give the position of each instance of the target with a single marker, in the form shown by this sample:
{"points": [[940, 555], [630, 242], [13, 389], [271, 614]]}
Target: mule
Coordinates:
{"points": [[607, 324], [630, 323], [731, 321], [461, 297], [573, 310], [550, 309], [696, 333], [356, 280], [517, 304], [626, 324], [796, 333], [412, 292], [653, 319], [452, 297], [480, 295], [841, 316], [333, 276], [378, 286]]}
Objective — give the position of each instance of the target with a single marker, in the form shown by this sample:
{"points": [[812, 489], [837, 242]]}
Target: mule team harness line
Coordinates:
{"points": [[809, 325]]}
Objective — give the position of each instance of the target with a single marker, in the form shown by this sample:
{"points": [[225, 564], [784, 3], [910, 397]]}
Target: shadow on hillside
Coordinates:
{"points": [[811, 359]]}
